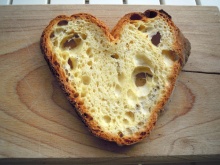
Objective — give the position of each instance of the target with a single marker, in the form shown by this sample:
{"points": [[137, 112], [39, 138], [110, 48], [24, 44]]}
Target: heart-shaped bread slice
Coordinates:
{"points": [[117, 82]]}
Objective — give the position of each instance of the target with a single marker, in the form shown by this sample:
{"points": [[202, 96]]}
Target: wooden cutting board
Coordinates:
{"points": [[36, 120]]}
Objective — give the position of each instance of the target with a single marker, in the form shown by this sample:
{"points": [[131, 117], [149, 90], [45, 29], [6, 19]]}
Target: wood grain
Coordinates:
{"points": [[37, 122]]}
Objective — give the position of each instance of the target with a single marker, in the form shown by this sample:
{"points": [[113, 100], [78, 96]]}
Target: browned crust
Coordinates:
{"points": [[181, 48]]}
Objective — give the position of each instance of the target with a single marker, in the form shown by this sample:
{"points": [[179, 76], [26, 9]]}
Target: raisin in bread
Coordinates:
{"points": [[117, 81]]}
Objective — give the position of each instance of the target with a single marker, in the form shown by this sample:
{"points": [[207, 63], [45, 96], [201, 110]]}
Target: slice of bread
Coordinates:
{"points": [[117, 82]]}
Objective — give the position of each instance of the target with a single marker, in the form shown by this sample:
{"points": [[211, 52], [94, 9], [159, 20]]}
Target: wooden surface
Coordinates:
{"points": [[37, 122]]}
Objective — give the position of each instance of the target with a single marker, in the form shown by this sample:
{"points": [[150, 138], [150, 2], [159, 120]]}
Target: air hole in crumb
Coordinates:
{"points": [[64, 55], [86, 80], [127, 45], [121, 77], [71, 41], [135, 17], [120, 134], [66, 71], [140, 79], [52, 35], [130, 115], [97, 84], [70, 44], [137, 107], [84, 36], [59, 30], [55, 43], [90, 64], [156, 39], [129, 131], [116, 56], [76, 74], [142, 28], [62, 23], [89, 52], [125, 121], [70, 63], [141, 74], [140, 123], [131, 97], [150, 14], [170, 55], [83, 94], [117, 90], [143, 60], [107, 119]]}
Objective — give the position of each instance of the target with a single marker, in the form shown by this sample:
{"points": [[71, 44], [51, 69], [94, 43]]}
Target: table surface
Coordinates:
{"points": [[37, 122]]}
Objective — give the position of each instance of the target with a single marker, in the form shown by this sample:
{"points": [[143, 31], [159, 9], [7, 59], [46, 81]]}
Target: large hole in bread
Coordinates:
{"points": [[150, 14], [141, 75], [62, 23], [156, 39], [71, 42], [140, 79], [135, 17]]}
